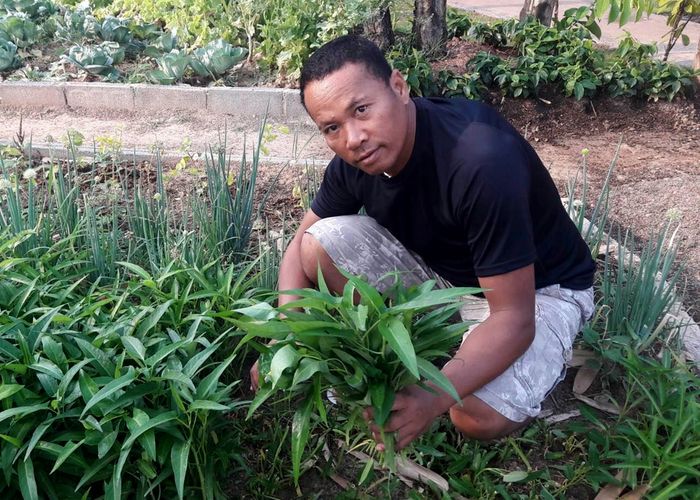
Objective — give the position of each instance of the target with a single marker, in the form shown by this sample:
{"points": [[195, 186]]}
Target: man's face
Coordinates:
{"points": [[366, 122]]}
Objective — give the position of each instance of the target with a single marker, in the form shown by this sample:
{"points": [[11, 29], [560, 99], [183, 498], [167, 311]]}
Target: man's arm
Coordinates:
{"points": [[502, 338], [494, 345], [292, 274]]}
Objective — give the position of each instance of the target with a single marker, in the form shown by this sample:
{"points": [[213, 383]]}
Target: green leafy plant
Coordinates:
{"points": [[171, 67], [126, 403], [364, 352], [97, 60], [195, 22], [416, 69], [217, 57], [164, 43], [654, 443], [20, 29], [458, 23], [8, 55], [113, 29], [289, 31], [638, 295], [35, 9]]}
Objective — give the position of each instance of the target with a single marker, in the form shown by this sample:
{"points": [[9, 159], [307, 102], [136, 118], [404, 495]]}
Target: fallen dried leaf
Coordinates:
{"points": [[586, 375], [561, 417], [600, 405], [610, 491], [637, 493], [580, 356]]}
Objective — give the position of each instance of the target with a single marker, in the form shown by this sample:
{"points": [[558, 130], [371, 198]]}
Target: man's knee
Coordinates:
{"points": [[312, 255], [483, 426]]}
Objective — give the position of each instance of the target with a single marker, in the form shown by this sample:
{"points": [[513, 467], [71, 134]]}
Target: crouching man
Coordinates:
{"points": [[454, 193]]}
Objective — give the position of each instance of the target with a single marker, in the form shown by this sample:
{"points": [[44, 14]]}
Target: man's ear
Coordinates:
{"points": [[399, 86]]}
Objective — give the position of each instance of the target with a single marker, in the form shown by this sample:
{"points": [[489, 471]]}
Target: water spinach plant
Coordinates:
{"points": [[364, 351]]}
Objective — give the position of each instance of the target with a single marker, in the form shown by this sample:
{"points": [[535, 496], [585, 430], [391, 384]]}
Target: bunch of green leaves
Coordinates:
{"points": [[113, 29], [498, 34], [365, 350], [289, 31], [196, 22], [654, 443], [8, 55], [458, 22], [227, 222], [76, 25], [164, 43], [97, 59], [116, 387], [578, 200], [468, 85], [35, 9], [415, 69], [215, 58], [171, 67], [19, 29], [638, 294]]}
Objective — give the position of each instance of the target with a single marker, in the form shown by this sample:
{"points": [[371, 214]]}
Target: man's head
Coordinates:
{"points": [[360, 105]]}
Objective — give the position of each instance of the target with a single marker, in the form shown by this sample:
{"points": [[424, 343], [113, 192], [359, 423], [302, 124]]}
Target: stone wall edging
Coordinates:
{"points": [[244, 102]]}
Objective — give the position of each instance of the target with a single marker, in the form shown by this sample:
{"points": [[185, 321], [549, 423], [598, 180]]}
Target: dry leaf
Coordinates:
{"points": [[637, 493], [610, 491], [600, 405], [412, 470], [586, 375], [341, 481], [561, 417], [580, 356]]}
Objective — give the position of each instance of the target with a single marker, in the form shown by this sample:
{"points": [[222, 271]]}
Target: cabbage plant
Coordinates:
{"points": [[216, 58], [171, 67], [112, 29], [36, 9], [8, 55], [364, 352], [20, 29], [97, 60]]}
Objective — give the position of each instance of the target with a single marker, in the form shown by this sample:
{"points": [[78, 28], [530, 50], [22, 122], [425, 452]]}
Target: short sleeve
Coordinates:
{"points": [[335, 195], [494, 209]]}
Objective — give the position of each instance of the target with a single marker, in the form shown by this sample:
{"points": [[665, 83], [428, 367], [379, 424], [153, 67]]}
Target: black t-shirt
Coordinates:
{"points": [[474, 200]]}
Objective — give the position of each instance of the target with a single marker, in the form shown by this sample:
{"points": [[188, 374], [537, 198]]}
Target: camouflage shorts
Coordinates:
{"points": [[361, 246]]}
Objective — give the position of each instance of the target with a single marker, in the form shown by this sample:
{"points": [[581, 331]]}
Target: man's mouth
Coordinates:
{"points": [[369, 155]]}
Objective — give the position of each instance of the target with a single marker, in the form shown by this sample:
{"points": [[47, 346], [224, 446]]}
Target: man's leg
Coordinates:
{"points": [[359, 245], [513, 398]]}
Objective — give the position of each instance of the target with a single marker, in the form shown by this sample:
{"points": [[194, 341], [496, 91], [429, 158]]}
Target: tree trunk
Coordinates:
{"points": [[378, 29], [696, 65], [430, 26], [541, 9]]}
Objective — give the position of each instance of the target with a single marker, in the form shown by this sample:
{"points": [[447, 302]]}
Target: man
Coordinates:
{"points": [[452, 192]]}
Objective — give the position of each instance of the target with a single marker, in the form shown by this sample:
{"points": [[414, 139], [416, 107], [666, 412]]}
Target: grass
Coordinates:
{"points": [[117, 324]]}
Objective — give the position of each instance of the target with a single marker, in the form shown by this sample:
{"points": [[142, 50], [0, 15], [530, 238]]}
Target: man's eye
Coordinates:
{"points": [[361, 109], [330, 129]]}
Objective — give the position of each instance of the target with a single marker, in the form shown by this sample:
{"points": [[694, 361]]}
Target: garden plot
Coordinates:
{"points": [[145, 361]]}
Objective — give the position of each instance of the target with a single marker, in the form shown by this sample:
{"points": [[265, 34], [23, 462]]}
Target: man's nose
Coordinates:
{"points": [[355, 136]]}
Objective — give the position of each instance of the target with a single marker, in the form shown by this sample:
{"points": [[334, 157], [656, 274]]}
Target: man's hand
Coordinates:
{"points": [[413, 411], [255, 376]]}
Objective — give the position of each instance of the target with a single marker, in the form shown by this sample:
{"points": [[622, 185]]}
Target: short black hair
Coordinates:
{"points": [[335, 54]]}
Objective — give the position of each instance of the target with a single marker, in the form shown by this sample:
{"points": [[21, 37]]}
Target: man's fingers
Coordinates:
{"points": [[254, 377]]}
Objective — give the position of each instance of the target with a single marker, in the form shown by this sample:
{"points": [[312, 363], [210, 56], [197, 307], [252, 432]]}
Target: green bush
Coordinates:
{"points": [[290, 30], [113, 387], [8, 54], [195, 22]]}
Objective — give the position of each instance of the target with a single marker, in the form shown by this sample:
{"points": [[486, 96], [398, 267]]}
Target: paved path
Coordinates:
{"points": [[647, 30]]}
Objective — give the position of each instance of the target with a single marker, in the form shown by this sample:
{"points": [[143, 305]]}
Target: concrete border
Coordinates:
{"points": [[238, 102], [58, 151]]}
